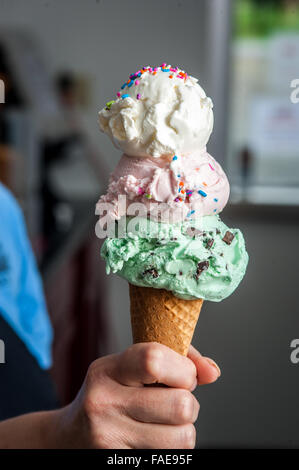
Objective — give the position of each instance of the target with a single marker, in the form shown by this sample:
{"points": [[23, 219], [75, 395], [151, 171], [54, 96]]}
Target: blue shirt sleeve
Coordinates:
{"points": [[22, 301]]}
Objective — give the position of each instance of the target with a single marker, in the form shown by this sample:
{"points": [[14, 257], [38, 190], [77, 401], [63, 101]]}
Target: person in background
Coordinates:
{"points": [[68, 91], [24, 323], [113, 409]]}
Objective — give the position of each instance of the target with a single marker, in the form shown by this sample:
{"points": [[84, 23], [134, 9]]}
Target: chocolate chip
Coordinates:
{"points": [[209, 242], [181, 273], [152, 272], [221, 254], [193, 232], [202, 266], [217, 231], [211, 233], [228, 237], [173, 239]]}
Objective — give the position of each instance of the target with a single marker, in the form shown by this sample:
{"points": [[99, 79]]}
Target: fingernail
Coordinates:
{"points": [[212, 363]]}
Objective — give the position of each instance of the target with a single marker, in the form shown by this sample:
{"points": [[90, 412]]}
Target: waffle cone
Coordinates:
{"points": [[157, 315]]}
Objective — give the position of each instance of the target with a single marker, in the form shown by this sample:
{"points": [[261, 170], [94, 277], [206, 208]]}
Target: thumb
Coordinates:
{"points": [[207, 370]]}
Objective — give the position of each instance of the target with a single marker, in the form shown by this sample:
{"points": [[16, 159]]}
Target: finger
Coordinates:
{"points": [[148, 363], [162, 406], [161, 436], [207, 370]]}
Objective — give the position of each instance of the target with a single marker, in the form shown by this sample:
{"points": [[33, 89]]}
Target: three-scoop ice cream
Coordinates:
{"points": [[162, 120]]}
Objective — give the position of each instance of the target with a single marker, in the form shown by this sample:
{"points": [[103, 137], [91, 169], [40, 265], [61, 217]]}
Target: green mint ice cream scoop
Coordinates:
{"points": [[196, 259]]}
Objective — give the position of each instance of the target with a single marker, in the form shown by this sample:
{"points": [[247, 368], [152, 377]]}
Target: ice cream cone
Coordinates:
{"points": [[157, 315]]}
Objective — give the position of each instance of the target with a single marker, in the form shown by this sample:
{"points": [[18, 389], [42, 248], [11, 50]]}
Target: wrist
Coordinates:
{"points": [[53, 431], [69, 428]]}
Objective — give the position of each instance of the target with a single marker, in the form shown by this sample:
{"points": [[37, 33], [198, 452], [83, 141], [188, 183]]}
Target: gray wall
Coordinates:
{"points": [[255, 401]]}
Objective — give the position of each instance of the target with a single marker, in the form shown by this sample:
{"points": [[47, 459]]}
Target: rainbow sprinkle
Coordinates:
{"points": [[190, 213], [109, 104], [202, 193], [125, 96], [211, 167], [175, 72]]}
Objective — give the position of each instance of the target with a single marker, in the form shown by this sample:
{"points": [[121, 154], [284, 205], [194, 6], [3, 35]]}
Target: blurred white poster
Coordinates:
{"points": [[274, 128], [283, 60]]}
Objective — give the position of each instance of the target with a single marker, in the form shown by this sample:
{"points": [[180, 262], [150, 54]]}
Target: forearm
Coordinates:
{"points": [[42, 430]]}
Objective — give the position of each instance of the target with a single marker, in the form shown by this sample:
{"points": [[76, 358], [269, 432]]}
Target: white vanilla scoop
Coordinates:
{"points": [[161, 111]]}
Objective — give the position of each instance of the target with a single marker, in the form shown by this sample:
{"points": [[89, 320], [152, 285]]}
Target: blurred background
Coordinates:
{"points": [[61, 62]]}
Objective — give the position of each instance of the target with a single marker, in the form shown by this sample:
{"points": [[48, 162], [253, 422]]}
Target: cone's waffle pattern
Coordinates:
{"points": [[157, 315]]}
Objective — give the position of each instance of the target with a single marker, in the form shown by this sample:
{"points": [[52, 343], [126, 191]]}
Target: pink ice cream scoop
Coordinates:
{"points": [[172, 189]]}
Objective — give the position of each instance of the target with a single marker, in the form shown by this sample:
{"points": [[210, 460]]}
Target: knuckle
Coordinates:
{"points": [[99, 401], [100, 408], [125, 355], [151, 356], [90, 404], [192, 375], [185, 406], [92, 372]]}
